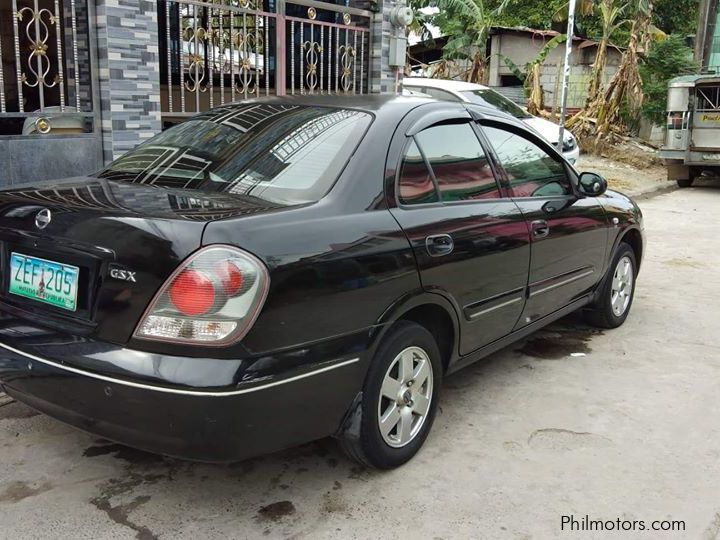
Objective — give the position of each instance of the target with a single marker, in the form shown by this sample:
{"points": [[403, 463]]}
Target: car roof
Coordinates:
{"points": [[364, 102], [443, 84], [391, 108]]}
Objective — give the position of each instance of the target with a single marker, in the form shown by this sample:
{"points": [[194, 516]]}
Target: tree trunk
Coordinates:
{"points": [[597, 73], [477, 73], [536, 101]]}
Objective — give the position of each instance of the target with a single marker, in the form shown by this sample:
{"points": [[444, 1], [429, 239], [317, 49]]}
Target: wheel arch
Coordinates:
{"points": [[432, 310], [633, 237]]}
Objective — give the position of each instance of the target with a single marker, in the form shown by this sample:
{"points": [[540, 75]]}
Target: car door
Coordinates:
{"points": [[471, 243], [568, 232]]}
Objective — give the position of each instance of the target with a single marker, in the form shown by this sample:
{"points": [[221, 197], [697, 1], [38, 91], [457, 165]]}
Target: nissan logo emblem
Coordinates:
{"points": [[43, 218]]}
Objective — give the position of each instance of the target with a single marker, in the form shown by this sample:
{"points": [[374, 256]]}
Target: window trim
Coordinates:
{"points": [[537, 141], [503, 194]]}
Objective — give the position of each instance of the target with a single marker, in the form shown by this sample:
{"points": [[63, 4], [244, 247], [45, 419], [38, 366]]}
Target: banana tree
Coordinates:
{"points": [[530, 76], [612, 17], [468, 23], [626, 84]]}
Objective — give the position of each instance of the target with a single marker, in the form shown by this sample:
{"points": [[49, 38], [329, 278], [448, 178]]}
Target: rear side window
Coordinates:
{"points": [[416, 184], [284, 154], [532, 172], [457, 159]]}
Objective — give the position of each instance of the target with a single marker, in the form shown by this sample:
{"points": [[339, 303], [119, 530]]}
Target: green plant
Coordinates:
{"points": [[530, 75], [467, 24], [667, 59]]}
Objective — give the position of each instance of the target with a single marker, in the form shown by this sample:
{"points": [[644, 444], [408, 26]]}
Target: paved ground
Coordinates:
{"points": [[628, 429]]}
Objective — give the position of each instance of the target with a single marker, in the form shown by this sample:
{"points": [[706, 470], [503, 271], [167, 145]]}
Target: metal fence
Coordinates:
{"points": [[45, 67], [220, 51]]}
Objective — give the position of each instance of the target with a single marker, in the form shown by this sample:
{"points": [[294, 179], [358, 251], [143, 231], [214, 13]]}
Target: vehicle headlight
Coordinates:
{"points": [[569, 144]]}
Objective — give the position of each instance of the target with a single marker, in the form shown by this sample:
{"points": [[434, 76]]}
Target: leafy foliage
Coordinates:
{"points": [[677, 16], [667, 59], [467, 24], [670, 16]]}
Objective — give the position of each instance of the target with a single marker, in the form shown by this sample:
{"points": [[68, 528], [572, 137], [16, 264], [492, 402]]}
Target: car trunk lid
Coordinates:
{"points": [[125, 240]]}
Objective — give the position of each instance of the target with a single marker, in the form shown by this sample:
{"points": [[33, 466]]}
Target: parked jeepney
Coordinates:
{"points": [[692, 140]]}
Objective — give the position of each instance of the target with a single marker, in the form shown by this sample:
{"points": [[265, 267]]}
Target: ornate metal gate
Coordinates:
{"points": [[45, 64], [49, 118], [219, 51]]}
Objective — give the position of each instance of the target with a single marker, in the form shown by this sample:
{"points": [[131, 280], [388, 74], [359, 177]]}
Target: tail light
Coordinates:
{"points": [[676, 120], [213, 298]]}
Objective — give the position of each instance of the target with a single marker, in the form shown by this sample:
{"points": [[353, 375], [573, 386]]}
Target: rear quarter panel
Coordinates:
{"points": [[329, 274]]}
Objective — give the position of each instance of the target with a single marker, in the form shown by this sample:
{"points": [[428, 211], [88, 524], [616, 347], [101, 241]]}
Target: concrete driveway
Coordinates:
{"points": [[612, 425]]}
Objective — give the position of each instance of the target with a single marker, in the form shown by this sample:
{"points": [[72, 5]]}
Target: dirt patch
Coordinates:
{"points": [[684, 263], [276, 511], [565, 439], [13, 410], [643, 175], [17, 491], [633, 152], [333, 503]]}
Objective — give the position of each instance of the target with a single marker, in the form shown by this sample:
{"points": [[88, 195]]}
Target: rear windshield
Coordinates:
{"points": [[494, 99], [282, 154]]}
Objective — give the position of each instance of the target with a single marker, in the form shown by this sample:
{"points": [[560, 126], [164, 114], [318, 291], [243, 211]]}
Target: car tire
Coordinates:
{"points": [[693, 173], [384, 445], [616, 293]]}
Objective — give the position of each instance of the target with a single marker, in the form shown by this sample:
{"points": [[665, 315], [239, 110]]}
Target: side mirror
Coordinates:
{"points": [[592, 184]]}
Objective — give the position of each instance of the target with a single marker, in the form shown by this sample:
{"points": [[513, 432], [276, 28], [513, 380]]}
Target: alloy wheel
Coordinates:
{"points": [[405, 397], [622, 286]]}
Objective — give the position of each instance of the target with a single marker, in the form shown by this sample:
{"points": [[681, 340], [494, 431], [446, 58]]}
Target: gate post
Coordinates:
{"points": [[280, 49], [382, 76], [129, 74]]}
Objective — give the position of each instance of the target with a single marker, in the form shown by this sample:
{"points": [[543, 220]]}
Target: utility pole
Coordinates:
{"points": [[566, 72], [702, 30], [707, 19]]}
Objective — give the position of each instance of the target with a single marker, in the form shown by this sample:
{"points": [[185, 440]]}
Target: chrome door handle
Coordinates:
{"points": [[439, 245], [540, 228]]}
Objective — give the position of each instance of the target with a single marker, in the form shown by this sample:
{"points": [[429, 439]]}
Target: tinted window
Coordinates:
{"points": [[459, 163], [494, 99], [532, 172], [278, 153], [416, 185]]}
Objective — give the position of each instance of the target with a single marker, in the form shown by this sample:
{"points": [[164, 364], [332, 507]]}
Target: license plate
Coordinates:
{"points": [[45, 281]]}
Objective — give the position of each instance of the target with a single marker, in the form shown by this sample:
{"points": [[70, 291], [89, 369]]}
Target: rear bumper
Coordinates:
{"points": [[218, 425], [690, 158]]}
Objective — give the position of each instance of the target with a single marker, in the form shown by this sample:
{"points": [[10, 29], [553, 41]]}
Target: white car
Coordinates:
{"points": [[476, 93]]}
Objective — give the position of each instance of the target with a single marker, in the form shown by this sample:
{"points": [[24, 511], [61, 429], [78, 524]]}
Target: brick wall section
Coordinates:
{"points": [[382, 76], [129, 73]]}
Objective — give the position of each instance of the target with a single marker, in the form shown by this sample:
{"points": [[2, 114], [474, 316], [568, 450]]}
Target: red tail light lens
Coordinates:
{"points": [[231, 277], [213, 298], [192, 292]]}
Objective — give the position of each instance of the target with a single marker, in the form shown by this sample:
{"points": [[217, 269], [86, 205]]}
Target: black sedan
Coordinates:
{"points": [[274, 272]]}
